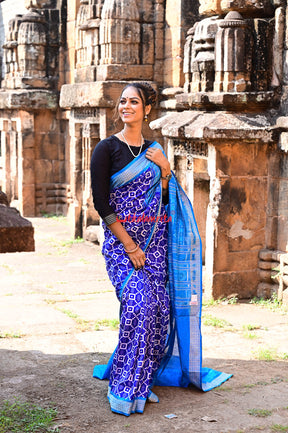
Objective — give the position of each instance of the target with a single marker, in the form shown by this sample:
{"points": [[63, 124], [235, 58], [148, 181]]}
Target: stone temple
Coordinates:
{"points": [[221, 69]]}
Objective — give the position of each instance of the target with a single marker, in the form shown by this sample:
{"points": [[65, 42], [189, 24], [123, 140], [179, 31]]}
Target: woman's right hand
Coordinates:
{"points": [[137, 258]]}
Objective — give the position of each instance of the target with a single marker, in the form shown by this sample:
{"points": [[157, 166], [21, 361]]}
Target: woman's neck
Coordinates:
{"points": [[132, 135]]}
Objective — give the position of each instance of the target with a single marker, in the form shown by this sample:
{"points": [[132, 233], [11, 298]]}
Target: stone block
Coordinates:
{"points": [[282, 239], [147, 45], [272, 232], [26, 121], [267, 265], [233, 261], [265, 276], [266, 255], [28, 99], [45, 120], [159, 12], [43, 171], [16, 232], [247, 7], [85, 74], [243, 284], [27, 204], [244, 201], [103, 94], [47, 146], [92, 233], [282, 200], [223, 160], [58, 171], [273, 197], [209, 7], [28, 140], [28, 171], [249, 159], [173, 75], [146, 9], [124, 72], [266, 290]]}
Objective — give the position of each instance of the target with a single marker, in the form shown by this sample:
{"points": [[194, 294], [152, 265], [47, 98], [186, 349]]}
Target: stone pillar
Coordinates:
{"points": [[120, 32], [5, 154], [75, 205], [233, 55], [202, 59], [32, 49], [188, 59], [90, 139], [10, 53], [174, 40]]}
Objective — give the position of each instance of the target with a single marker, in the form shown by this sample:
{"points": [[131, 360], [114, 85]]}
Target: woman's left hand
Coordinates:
{"points": [[157, 156]]}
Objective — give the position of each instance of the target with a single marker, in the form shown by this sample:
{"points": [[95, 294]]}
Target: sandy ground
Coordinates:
{"points": [[54, 305]]}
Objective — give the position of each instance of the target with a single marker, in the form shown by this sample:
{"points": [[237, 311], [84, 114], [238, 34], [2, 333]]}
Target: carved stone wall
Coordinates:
{"points": [[234, 91], [221, 71], [32, 134]]}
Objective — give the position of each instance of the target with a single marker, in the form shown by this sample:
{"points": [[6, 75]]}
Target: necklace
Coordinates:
{"points": [[142, 142]]}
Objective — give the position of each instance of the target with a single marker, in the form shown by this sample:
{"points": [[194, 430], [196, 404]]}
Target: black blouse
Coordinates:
{"points": [[109, 156]]}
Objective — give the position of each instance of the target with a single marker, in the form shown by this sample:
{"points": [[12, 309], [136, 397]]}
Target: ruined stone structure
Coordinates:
{"points": [[221, 71], [16, 232]]}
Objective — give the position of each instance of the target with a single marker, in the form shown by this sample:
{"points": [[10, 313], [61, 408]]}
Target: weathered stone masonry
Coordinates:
{"points": [[221, 71]]}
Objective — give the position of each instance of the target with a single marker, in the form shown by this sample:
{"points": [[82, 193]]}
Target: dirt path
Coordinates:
{"points": [[51, 303]]}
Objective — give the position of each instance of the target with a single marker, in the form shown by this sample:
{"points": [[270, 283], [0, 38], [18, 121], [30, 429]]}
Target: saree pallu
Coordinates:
{"points": [[165, 294]]}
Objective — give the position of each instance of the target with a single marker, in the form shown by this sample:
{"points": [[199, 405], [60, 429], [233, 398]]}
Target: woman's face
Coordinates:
{"points": [[130, 107]]}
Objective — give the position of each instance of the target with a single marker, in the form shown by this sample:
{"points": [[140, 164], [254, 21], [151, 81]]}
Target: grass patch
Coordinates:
{"points": [[210, 302], [262, 413], [69, 313], [246, 331], [106, 323], [26, 417], [55, 217], [249, 327], [209, 320], [89, 325], [249, 335], [269, 354], [11, 335], [272, 303], [279, 428], [265, 354], [71, 242], [252, 385], [213, 302], [82, 324]]}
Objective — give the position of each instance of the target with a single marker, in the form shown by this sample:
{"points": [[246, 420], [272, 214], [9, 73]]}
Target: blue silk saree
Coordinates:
{"points": [[160, 305]]}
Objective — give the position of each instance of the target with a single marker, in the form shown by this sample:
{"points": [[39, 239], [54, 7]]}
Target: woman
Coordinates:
{"points": [[131, 178]]}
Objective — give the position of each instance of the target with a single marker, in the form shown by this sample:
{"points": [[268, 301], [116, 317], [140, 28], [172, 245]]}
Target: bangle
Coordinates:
{"points": [[131, 251], [168, 177]]}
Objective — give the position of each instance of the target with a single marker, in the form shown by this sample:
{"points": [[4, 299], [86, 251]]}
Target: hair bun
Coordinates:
{"points": [[149, 91]]}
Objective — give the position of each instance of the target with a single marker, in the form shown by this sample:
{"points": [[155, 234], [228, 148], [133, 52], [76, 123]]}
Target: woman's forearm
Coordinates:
{"points": [[119, 231]]}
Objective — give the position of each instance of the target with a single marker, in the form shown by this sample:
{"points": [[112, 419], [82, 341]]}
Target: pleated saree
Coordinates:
{"points": [[160, 304]]}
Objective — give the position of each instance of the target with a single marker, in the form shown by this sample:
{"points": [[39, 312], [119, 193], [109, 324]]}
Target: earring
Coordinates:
{"points": [[146, 117]]}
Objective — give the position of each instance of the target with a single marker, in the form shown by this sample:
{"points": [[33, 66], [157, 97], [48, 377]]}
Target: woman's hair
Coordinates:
{"points": [[145, 91]]}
